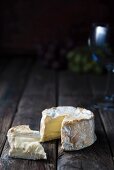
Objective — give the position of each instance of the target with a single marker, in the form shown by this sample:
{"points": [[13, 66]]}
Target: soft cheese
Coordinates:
{"points": [[24, 143], [78, 130], [27, 150], [50, 127]]}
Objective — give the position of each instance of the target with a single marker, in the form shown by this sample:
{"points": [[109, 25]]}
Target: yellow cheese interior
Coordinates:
{"points": [[52, 129]]}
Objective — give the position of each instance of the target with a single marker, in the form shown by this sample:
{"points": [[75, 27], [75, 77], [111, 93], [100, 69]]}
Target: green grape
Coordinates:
{"points": [[77, 58], [84, 59], [71, 54]]}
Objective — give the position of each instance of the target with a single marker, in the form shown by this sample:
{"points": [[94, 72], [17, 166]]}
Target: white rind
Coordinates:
{"points": [[78, 132], [78, 112], [23, 131], [58, 111], [77, 126], [24, 143]]}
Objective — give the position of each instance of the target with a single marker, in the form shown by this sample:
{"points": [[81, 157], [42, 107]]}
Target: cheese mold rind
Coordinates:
{"points": [[24, 143], [78, 131]]}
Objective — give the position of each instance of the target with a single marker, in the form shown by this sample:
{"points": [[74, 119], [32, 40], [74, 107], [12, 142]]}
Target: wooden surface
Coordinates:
{"points": [[25, 90]]}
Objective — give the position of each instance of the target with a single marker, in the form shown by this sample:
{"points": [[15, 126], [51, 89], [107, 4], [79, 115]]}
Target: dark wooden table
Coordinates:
{"points": [[25, 90]]}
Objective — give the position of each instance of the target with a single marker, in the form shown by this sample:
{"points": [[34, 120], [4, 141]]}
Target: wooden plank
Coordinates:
{"points": [[80, 87], [12, 82], [39, 94], [99, 85], [107, 115], [98, 155], [74, 82]]}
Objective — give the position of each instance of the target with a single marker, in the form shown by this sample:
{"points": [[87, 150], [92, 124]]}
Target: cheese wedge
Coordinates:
{"points": [[78, 130], [50, 127], [24, 143]]}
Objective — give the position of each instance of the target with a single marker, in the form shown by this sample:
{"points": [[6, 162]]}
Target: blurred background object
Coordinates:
{"points": [[100, 39], [83, 60], [50, 29]]}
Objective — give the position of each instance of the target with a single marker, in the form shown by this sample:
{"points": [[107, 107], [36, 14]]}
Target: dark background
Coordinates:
{"points": [[27, 23]]}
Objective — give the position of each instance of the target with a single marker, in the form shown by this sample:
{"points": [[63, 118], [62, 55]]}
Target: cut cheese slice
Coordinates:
{"points": [[24, 143], [27, 150], [50, 127], [78, 130]]}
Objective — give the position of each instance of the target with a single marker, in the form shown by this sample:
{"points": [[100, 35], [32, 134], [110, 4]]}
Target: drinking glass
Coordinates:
{"points": [[99, 38]]}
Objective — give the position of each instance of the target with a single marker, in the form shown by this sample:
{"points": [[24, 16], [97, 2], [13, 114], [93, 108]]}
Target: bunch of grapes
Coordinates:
{"points": [[82, 60]]}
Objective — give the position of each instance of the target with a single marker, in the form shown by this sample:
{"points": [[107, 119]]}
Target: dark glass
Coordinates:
{"points": [[99, 38], [99, 35]]}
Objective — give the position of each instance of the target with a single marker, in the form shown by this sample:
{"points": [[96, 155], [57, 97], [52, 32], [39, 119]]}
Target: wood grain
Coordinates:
{"points": [[42, 92], [106, 115], [98, 155], [99, 85], [11, 88], [39, 94]]}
